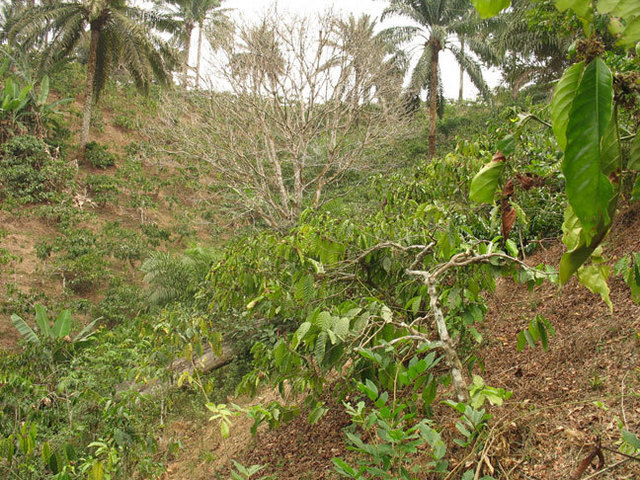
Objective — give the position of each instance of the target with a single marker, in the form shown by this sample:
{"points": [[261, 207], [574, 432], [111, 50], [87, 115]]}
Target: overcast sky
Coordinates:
{"points": [[252, 10]]}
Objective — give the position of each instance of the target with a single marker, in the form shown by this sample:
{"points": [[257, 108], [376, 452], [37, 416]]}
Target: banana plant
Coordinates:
{"points": [[14, 99], [60, 330]]}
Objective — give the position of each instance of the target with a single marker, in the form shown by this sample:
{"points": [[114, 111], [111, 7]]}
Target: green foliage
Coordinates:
{"points": [[104, 189], [490, 8], [31, 172], [629, 268], [59, 330], [99, 155], [394, 436], [589, 191], [539, 330], [485, 183], [175, 278], [24, 109], [245, 473]]}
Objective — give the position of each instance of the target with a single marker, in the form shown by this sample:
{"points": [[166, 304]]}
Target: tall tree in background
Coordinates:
{"points": [[290, 127], [218, 28], [533, 37], [119, 35], [189, 14], [358, 42], [436, 23]]}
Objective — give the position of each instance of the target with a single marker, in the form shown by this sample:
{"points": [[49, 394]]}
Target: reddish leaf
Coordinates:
{"points": [[499, 157], [529, 180], [508, 218]]}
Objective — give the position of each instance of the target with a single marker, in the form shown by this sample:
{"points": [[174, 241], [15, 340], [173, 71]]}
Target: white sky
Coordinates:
{"points": [[252, 10]]}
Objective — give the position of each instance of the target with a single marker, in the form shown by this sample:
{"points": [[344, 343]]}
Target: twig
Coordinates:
{"points": [[610, 467], [624, 415], [630, 457]]}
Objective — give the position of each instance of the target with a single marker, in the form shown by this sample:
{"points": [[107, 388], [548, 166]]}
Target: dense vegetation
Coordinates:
{"points": [[316, 229]]}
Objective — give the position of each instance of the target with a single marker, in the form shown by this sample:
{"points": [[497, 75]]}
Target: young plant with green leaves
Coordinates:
{"points": [[586, 118], [49, 330]]}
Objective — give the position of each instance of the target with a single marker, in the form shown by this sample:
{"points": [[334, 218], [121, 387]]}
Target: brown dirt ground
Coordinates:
{"points": [[543, 432]]}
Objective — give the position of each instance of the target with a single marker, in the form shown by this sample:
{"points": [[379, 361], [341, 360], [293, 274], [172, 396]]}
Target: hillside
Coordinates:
{"points": [[564, 400], [311, 264]]}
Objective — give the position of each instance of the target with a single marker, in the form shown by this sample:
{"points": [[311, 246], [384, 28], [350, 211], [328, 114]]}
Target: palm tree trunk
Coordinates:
{"points": [[200, 27], [460, 92], [88, 97], [185, 67], [433, 107]]}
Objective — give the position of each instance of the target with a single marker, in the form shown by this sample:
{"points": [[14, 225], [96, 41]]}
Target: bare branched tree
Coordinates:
{"points": [[305, 108]]}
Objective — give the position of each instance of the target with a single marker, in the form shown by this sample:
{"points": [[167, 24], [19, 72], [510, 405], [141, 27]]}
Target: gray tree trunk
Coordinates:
{"points": [[433, 108], [88, 98], [200, 27]]}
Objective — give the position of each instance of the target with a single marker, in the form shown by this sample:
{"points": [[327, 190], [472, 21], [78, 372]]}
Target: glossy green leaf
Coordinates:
{"points": [[42, 320], [610, 149], [299, 335], [588, 190], [578, 248], [317, 413], [563, 100], [631, 34], [594, 277], [62, 326], [44, 90], [630, 438], [25, 330], [582, 8], [507, 145], [619, 8], [490, 8], [485, 182]]}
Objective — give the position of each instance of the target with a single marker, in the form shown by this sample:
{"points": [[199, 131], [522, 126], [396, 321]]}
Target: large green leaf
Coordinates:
{"points": [[25, 330], [610, 148], [583, 8], [562, 101], [594, 277], [579, 246], [62, 326], [87, 332], [588, 190], [631, 34], [634, 155], [42, 320], [490, 8], [44, 90], [485, 182], [626, 9]]}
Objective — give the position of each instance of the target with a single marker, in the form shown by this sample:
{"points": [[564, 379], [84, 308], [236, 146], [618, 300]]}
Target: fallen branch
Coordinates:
{"points": [[205, 363]]}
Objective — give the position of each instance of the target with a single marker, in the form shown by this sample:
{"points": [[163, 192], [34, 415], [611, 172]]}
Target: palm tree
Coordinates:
{"points": [[119, 35], [218, 28], [533, 37], [436, 23], [363, 46], [189, 14]]}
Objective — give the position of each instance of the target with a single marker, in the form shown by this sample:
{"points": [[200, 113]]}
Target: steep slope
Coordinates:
{"points": [[584, 388]]}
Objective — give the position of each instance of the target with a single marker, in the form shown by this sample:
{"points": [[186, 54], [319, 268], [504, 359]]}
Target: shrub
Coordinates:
{"points": [[30, 173], [104, 189], [80, 260], [99, 155]]}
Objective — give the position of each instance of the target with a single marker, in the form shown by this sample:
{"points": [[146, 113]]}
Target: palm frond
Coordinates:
{"points": [[473, 69]]}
